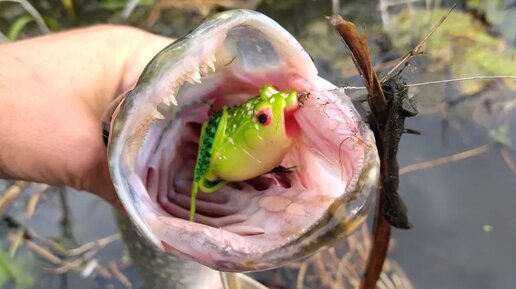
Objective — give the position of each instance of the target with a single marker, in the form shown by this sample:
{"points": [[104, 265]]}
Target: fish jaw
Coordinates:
{"points": [[254, 225]]}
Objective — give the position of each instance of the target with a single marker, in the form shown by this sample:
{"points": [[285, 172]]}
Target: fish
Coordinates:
{"points": [[242, 142], [247, 225], [158, 270]]}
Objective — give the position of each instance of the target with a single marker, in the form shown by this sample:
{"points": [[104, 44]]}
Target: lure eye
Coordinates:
{"points": [[264, 116]]}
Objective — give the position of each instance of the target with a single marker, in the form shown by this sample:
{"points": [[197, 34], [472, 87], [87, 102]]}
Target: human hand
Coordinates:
{"points": [[53, 92]]}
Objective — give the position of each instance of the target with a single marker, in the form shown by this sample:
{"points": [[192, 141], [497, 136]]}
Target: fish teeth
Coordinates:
{"points": [[191, 81], [172, 95], [170, 100], [166, 101], [157, 114], [206, 66], [196, 76], [181, 79], [211, 64], [204, 70]]}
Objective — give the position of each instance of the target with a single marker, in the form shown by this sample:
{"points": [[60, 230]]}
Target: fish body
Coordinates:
{"points": [[242, 142]]}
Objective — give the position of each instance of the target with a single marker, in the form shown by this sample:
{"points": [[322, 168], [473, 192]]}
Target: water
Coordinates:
{"points": [[462, 212], [463, 235]]}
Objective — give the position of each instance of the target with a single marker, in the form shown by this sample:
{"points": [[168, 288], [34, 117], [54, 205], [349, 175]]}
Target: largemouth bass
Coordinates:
{"points": [[254, 224]]}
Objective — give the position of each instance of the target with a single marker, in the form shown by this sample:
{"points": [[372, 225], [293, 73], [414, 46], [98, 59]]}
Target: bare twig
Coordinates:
{"points": [[65, 222], [119, 275], [85, 252], [65, 267], [357, 45], [301, 275], [508, 106], [380, 112], [16, 240], [129, 8], [390, 105], [202, 7], [75, 264], [345, 269], [384, 12], [97, 244], [444, 160], [33, 12], [89, 268], [34, 200], [335, 6], [43, 252], [416, 49], [10, 195], [378, 252], [508, 159], [230, 280], [321, 271]]}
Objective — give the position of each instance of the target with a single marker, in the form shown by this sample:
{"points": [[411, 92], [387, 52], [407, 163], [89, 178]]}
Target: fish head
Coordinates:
{"points": [[258, 223]]}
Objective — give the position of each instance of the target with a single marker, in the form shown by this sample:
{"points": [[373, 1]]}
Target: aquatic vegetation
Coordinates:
{"points": [[16, 271], [462, 45]]}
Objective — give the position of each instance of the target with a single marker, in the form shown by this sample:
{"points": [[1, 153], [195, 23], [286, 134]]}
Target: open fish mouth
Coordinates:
{"points": [[263, 222]]}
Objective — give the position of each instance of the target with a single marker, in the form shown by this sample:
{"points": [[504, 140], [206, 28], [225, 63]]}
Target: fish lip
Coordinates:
{"points": [[140, 209]]}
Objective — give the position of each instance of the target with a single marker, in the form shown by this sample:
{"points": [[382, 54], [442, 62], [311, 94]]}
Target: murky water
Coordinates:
{"points": [[463, 235], [462, 212]]}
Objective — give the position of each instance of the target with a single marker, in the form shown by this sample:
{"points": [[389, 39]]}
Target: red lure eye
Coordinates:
{"points": [[264, 116]]}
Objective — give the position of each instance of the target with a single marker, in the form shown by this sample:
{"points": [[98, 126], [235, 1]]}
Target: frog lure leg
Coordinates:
{"points": [[243, 142]]}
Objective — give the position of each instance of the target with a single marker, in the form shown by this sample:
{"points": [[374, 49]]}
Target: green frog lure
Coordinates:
{"points": [[242, 142]]}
